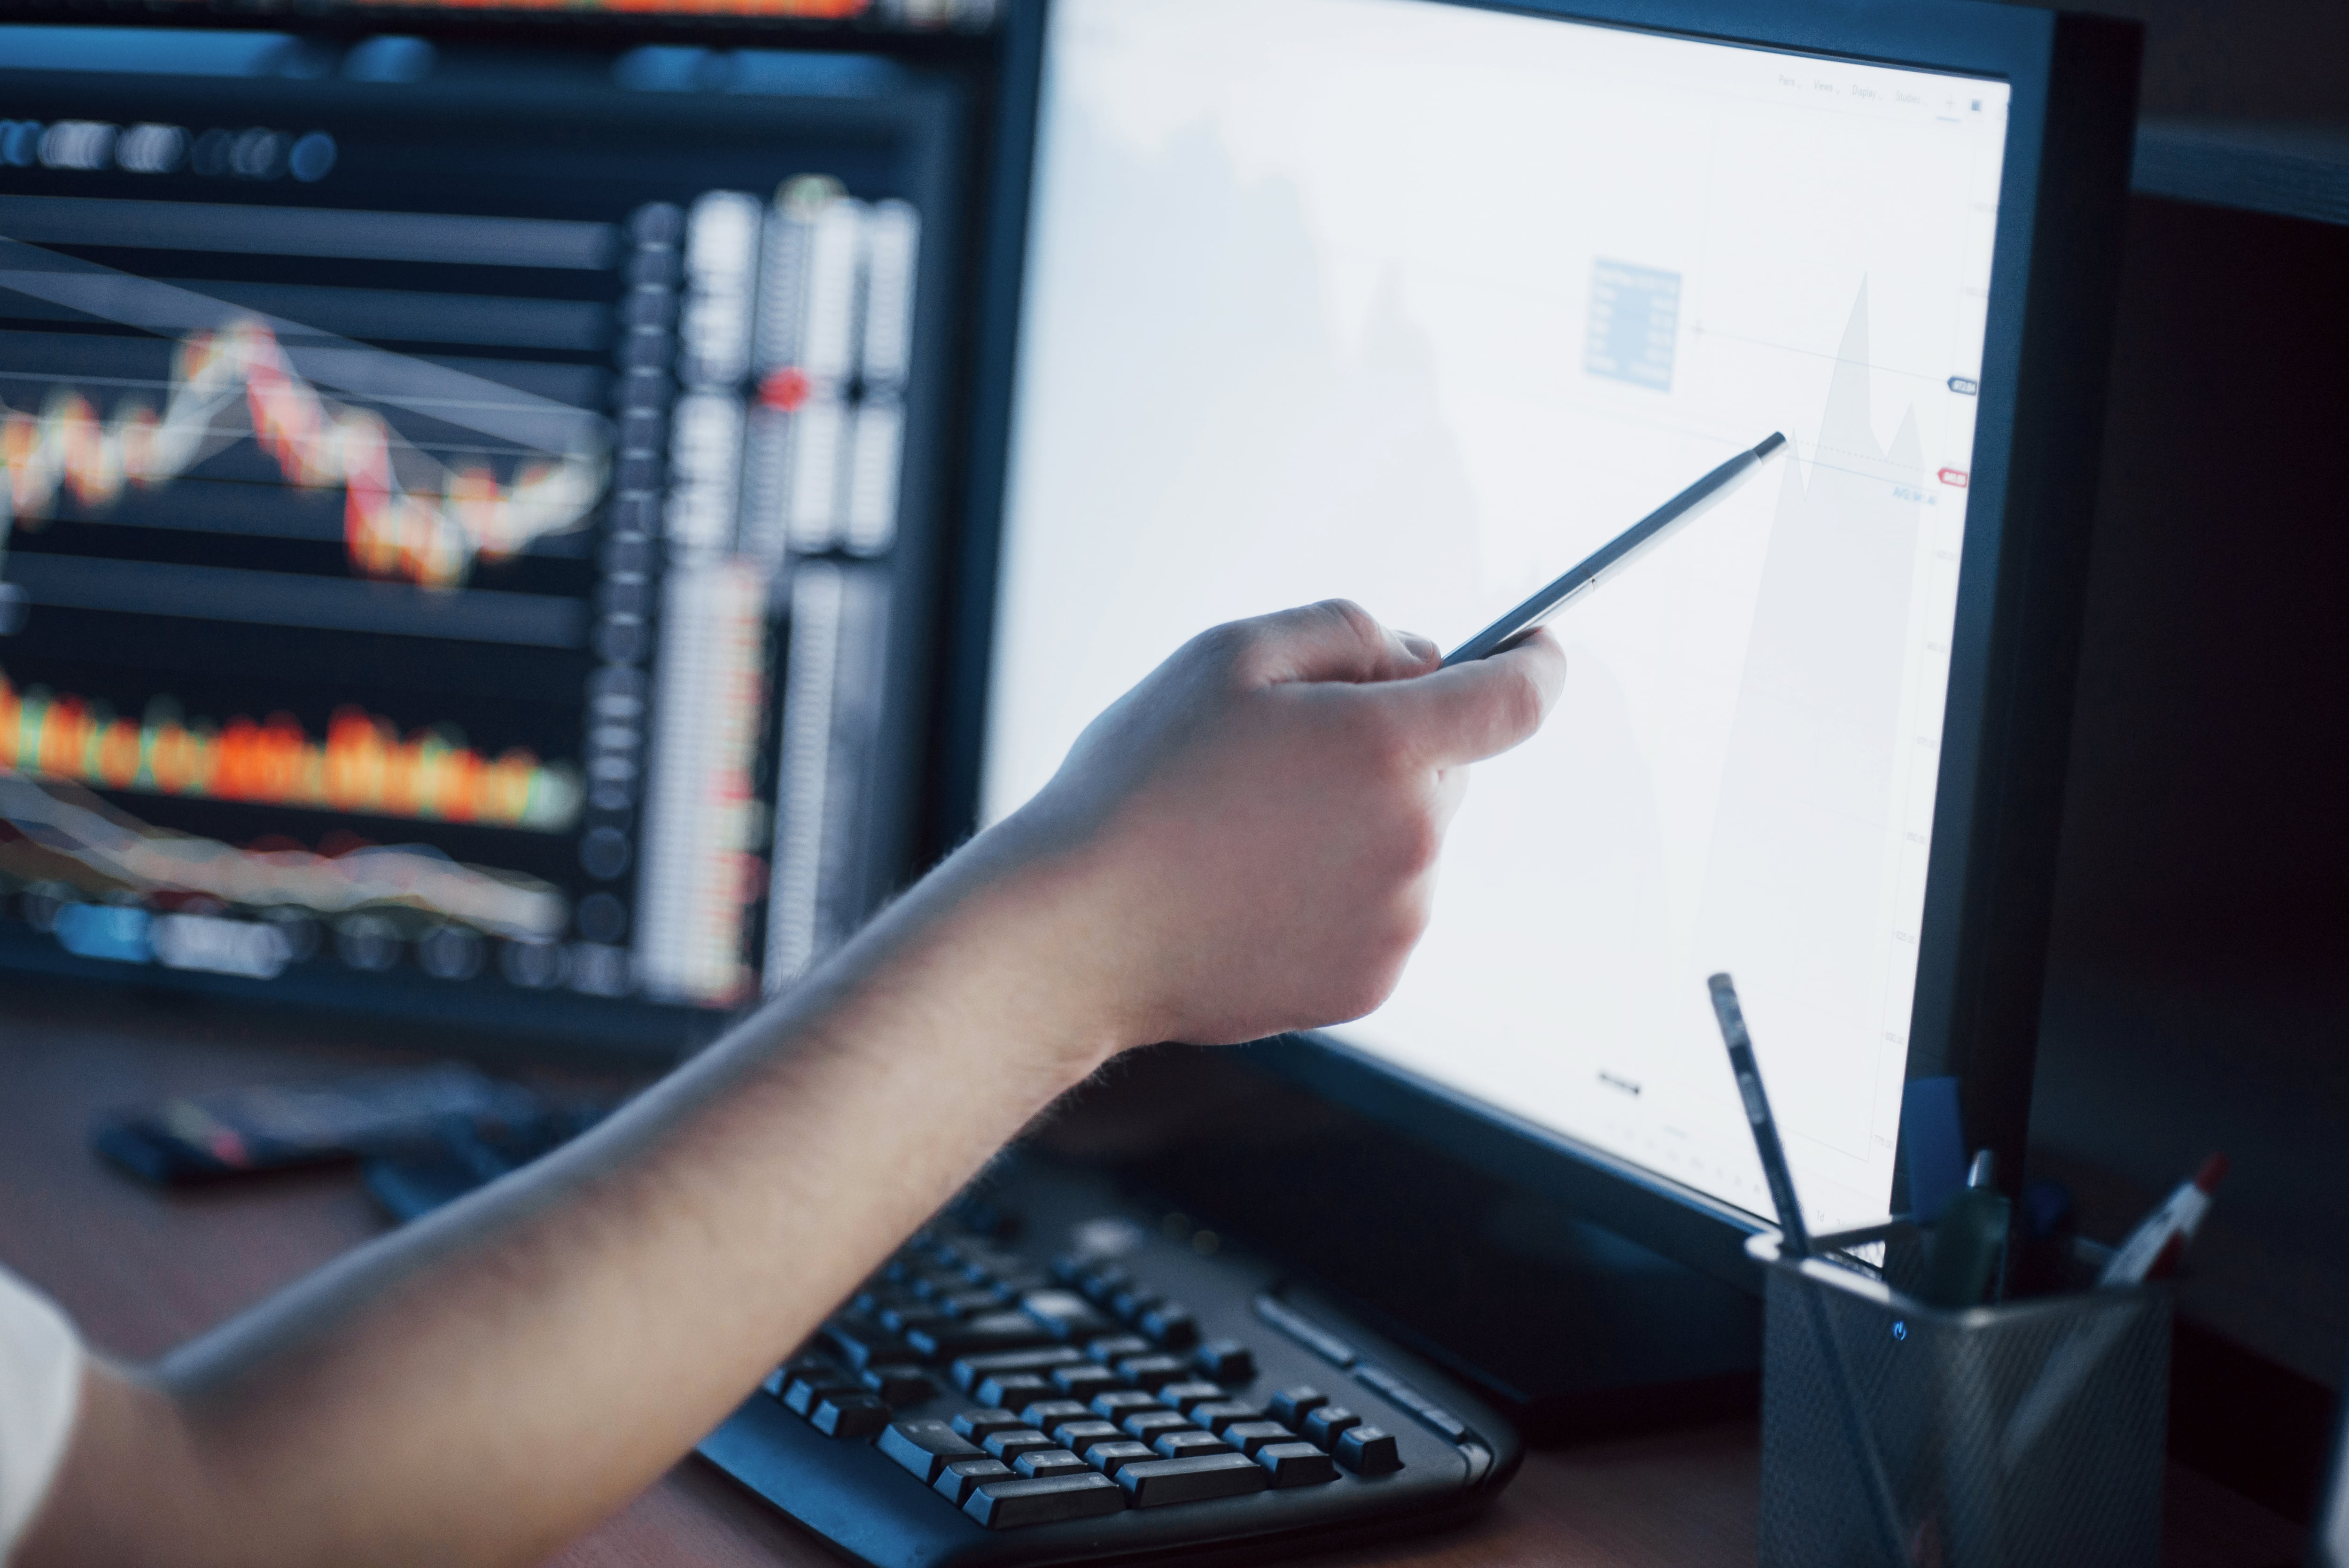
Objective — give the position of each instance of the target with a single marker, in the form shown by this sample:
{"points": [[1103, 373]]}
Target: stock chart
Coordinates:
{"points": [[433, 548]]}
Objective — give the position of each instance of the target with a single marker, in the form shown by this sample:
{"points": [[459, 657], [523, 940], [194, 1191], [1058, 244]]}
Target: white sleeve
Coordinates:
{"points": [[40, 1384]]}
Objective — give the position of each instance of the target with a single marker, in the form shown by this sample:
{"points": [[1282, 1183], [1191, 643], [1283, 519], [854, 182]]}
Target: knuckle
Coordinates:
{"points": [[1352, 617], [1229, 644]]}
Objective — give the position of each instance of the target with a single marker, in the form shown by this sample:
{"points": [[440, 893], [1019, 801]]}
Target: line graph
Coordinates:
{"points": [[58, 834], [236, 373], [362, 765], [405, 513]]}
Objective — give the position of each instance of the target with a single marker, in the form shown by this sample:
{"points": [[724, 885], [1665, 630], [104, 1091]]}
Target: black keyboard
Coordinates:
{"points": [[1044, 1375]]}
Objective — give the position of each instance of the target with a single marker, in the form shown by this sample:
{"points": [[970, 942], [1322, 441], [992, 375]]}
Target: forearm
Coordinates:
{"points": [[611, 1304], [1243, 844]]}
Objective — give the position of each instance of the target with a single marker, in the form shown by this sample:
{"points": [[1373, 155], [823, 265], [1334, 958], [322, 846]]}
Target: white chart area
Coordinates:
{"points": [[1417, 305]]}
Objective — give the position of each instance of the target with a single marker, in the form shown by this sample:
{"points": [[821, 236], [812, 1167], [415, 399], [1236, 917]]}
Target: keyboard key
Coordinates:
{"points": [[1102, 1281], [980, 1425], [1226, 1360], [798, 1366], [990, 1331], [1293, 1405], [1324, 1425], [1009, 1504], [1367, 1450], [804, 1393], [1085, 1382], [924, 1448], [1183, 1396], [1172, 1325], [1295, 1464], [1116, 1347], [981, 1265], [1078, 1437], [1066, 1314], [1046, 1414], [903, 1318], [1214, 1414], [857, 1415], [1018, 1283], [1011, 1390], [1010, 1445], [1050, 1462], [1119, 1403], [1111, 1457], [1132, 1302], [971, 1302], [972, 1370], [899, 1384], [1145, 1425], [861, 1341], [1154, 1483], [1443, 1420], [961, 1478], [1184, 1445], [1153, 1372], [1249, 1436], [1070, 1268]]}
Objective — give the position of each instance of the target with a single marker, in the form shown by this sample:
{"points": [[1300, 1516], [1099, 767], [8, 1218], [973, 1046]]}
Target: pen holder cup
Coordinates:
{"points": [[1991, 1437]]}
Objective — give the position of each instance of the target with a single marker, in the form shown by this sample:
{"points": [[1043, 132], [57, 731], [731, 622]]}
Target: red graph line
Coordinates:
{"points": [[405, 513]]}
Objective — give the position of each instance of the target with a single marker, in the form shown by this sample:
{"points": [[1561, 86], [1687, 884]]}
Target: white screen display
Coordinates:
{"points": [[1417, 305]]}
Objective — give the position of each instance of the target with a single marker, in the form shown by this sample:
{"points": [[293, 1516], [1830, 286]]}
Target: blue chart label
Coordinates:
{"points": [[1635, 314]]}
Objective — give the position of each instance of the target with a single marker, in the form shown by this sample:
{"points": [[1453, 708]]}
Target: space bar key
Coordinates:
{"points": [[1154, 1482]]}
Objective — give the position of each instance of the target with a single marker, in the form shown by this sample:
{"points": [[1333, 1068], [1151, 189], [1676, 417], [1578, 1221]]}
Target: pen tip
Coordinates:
{"points": [[2213, 1171], [1770, 443]]}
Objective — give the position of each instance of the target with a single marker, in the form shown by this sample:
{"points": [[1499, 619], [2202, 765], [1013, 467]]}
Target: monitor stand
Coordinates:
{"points": [[1575, 1330]]}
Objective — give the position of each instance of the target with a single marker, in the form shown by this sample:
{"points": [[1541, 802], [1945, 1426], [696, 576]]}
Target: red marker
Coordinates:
{"points": [[2155, 1247]]}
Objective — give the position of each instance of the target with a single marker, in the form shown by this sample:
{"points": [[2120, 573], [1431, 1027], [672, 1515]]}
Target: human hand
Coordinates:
{"points": [[1245, 842]]}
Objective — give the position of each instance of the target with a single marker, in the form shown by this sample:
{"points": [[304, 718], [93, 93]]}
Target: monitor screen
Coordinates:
{"points": [[1418, 303], [452, 500]]}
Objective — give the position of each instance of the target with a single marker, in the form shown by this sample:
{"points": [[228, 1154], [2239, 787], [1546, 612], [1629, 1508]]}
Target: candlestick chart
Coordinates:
{"points": [[407, 514]]}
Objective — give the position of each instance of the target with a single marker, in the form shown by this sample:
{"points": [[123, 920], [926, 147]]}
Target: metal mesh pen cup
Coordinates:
{"points": [[1992, 1437]]}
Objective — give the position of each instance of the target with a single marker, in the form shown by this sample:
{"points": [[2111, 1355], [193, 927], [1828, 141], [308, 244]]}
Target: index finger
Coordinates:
{"points": [[1472, 711]]}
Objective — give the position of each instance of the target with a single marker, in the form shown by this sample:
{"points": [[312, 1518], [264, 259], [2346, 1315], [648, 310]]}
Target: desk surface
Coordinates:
{"points": [[141, 1270]]}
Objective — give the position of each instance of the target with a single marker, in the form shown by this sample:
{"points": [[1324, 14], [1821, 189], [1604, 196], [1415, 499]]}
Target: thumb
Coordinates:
{"points": [[1472, 711], [1335, 640]]}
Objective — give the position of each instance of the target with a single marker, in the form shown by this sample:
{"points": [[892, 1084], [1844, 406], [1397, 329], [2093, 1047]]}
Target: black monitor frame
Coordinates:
{"points": [[1991, 863]]}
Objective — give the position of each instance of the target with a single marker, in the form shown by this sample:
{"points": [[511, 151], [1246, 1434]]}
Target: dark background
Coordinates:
{"points": [[2196, 996]]}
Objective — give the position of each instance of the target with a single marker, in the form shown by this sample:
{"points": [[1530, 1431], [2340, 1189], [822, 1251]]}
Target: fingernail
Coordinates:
{"points": [[1420, 647]]}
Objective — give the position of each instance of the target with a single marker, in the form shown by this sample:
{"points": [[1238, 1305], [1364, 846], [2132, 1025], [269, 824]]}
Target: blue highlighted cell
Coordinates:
{"points": [[104, 930], [1634, 328]]}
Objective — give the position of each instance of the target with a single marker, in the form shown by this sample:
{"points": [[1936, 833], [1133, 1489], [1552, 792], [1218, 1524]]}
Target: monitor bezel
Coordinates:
{"points": [[1991, 864]]}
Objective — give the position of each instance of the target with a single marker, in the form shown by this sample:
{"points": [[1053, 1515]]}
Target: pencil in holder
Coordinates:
{"points": [[2011, 1435]]}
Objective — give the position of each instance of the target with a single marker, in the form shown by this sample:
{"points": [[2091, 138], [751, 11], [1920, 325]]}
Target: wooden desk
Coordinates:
{"points": [[141, 1270]]}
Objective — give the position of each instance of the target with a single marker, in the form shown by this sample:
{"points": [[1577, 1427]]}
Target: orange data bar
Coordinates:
{"points": [[362, 766]]}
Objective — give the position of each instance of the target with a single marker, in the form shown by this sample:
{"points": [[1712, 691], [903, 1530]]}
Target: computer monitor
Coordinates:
{"points": [[467, 541], [1418, 303]]}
